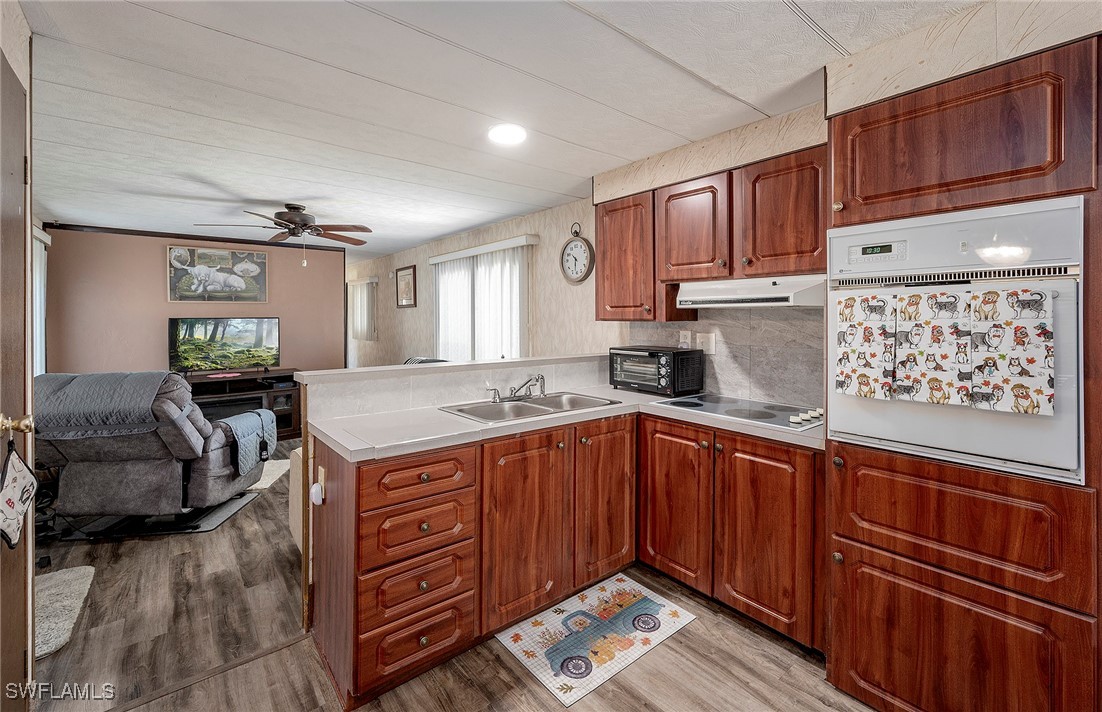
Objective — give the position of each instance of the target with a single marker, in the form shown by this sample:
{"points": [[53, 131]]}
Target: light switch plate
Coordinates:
{"points": [[707, 343], [685, 337]]}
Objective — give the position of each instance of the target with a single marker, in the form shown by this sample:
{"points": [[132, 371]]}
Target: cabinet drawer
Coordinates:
{"points": [[392, 593], [1032, 536], [408, 478], [396, 533], [416, 642]]}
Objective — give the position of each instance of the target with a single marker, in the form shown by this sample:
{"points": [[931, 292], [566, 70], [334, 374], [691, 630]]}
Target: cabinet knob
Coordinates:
{"points": [[646, 308], [721, 262], [838, 462], [423, 641], [424, 585], [837, 207], [562, 445], [719, 447], [838, 558], [584, 441], [425, 527], [746, 260], [425, 477], [704, 444]]}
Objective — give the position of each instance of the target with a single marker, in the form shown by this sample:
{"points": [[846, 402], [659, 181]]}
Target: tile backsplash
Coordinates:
{"points": [[772, 354]]}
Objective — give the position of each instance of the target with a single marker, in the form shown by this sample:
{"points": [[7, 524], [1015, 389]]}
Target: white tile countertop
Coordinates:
{"points": [[381, 435]]}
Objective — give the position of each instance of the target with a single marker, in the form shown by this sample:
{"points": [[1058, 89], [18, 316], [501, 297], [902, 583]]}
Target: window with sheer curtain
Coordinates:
{"points": [[481, 306], [361, 316], [38, 290]]}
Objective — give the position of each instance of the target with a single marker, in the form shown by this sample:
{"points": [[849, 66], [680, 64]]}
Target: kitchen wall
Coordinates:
{"points": [[561, 315], [764, 353], [107, 305]]}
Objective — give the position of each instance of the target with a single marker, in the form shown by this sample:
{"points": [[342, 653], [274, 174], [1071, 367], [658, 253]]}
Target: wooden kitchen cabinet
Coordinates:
{"points": [[1021, 130], [693, 229], [675, 501], [604, 498], [780, 211], [908, 636], [626, 286], [764, 528], [527, 525]]}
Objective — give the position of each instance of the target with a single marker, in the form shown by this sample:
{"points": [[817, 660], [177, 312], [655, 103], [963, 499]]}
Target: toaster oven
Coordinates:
{"points": [[657, 369]]}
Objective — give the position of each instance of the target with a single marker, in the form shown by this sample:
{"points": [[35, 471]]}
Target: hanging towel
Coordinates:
{"points": [[933, 355], [863, 345], [1013, 351]]}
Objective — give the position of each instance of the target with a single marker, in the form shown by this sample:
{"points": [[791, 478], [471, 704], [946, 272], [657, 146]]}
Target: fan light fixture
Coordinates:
{"points": [[507, 134]]}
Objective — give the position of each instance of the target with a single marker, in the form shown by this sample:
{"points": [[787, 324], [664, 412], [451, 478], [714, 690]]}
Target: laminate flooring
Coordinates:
{"points": [[166, 609], [721, 661]]}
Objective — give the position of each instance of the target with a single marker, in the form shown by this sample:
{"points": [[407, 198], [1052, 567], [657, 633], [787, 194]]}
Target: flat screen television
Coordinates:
{"points": [[222, 344]]}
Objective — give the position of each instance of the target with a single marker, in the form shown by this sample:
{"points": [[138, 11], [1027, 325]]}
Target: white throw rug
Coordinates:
{"points": [[585, 640], [273, 470], [58, 600]]}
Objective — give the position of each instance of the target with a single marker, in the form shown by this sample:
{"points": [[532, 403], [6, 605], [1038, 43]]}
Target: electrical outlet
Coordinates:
{"points": [[685, 337], [706, 343]]}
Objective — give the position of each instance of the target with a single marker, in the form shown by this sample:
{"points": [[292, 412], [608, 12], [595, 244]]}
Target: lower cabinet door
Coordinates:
{"points": [[764, 522], [907, 636], [604, 498], [412, 644], [527, 518], [675, 501]]}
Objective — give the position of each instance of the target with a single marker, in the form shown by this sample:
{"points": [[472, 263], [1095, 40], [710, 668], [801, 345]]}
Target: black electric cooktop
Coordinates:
{"points": [[755, 411]]}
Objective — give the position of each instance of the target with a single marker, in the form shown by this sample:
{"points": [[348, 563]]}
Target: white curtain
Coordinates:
{"points": [[38, 295], [481, 306], [361, 311]]}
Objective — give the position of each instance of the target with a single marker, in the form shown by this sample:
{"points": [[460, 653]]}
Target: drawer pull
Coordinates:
{"points": [[424, 585], [425, 527], [425, 477], [424, 641]]}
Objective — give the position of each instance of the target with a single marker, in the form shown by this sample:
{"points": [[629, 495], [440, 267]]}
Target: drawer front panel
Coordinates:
{"points": [[408, 478], [390, 594], [396, 533], [416, 642]]}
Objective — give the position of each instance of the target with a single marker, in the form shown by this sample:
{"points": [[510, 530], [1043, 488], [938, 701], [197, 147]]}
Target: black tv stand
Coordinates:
{"points": [[221, 395]]}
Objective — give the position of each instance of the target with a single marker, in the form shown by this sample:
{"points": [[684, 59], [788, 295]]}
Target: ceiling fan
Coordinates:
{"points": [[296, 222]]}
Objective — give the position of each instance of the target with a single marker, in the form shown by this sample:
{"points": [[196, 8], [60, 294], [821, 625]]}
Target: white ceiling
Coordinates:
{"points": [[156, 115]]}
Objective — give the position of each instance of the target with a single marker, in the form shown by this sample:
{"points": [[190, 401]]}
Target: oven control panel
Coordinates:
{"points": [[879, 252]]}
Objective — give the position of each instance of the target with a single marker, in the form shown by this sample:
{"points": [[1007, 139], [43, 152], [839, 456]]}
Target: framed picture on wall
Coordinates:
{"points": [[200, 274], [405, 286]]}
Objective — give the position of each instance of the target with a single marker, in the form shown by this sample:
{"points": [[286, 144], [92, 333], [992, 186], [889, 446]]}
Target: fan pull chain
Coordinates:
{"points": [[304, 249]]}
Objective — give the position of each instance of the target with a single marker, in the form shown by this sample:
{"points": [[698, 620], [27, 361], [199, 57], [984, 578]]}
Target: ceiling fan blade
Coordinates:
{"points": [[270, 218], [344, 228], [340, 238], [279, 236], [262, 227]]}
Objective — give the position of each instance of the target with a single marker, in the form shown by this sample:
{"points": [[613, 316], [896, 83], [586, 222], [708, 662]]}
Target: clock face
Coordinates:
{"points": [[577, 259]]}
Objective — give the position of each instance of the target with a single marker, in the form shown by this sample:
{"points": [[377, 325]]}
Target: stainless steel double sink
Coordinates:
{"points": [[490, 412]]}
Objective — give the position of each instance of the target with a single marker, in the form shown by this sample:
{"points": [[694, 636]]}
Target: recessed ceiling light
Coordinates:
{"points": [[508, 134]]}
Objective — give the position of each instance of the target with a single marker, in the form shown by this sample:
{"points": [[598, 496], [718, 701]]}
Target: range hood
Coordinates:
{"points": [[802, 291]]}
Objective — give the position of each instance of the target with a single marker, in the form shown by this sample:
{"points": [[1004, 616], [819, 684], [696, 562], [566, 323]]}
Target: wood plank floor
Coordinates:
{"points": [[164, 609], [721, 661]]}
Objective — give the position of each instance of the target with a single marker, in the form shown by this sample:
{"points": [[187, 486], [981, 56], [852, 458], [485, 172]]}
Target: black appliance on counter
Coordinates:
{"points": [[664, 370]]}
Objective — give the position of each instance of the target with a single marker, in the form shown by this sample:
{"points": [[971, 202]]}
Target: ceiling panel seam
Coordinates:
{"points": [[827, 37]]}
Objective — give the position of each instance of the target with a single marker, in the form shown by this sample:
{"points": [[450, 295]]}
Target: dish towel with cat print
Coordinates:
{"points": [[1013, 351], [933, 362], [864, 356]]}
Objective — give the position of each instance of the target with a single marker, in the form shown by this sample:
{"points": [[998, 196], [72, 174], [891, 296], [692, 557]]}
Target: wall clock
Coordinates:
{"points": [[576, 259]]}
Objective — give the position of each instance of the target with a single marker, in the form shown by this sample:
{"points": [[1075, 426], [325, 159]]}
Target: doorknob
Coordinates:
{"points": [[22, 424]]}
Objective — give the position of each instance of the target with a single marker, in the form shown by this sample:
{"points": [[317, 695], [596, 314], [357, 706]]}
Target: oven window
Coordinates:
{"points": [[636, 369]]}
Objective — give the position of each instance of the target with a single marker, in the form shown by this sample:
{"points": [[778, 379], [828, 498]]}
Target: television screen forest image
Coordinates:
{"points": [[220, 344]]}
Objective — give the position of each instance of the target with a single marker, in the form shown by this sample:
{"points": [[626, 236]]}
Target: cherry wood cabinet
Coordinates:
{"points": [[1022, 130], [908, 636], [693, 229], [780, 211], [1032, 536], [604, 498], [764, 528], [675, 501], [626, 286], [527, 524]]}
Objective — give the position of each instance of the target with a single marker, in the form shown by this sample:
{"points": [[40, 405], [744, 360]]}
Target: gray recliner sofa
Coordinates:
{"points": [[173, 460]]}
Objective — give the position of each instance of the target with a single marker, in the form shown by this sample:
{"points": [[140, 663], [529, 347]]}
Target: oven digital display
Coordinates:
{"points": [[876, 249]]}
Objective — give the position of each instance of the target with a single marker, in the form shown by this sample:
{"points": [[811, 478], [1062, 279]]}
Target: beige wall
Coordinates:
{"points": [[15, 40], [107, 305], [561, 315]]}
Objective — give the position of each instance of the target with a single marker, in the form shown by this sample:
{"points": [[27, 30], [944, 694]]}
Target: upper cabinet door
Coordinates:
{"points": [[1018, 131], [625, 259], [693, 229], [779, 210]]}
